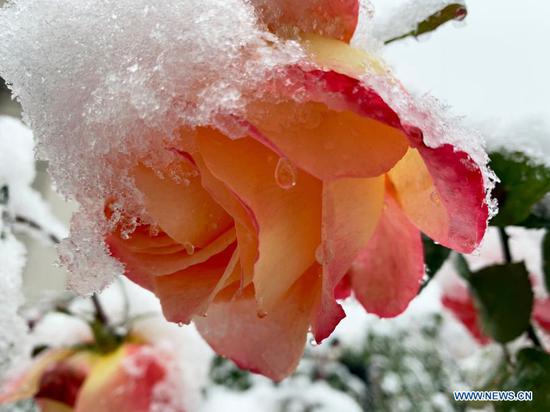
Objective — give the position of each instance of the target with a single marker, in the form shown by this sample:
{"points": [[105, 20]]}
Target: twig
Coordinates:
{"points": [[99, 312], [33, 225], [505, 242]]}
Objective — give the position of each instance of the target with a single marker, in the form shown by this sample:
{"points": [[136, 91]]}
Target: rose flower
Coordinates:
{"points": [[252, 236], [64, 380]]}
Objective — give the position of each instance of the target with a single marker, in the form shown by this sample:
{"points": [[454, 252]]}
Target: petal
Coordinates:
{"points": [[442, 191], [541, 313], [158, 264], [272, 344], [288, 18], [386, 278], [246, 225], [186, 293], [123, 381], [330, 54], [288, 217], [27, 384], [47, 405], [328, 143], [182, 209], [351, 210], [461, 304]]}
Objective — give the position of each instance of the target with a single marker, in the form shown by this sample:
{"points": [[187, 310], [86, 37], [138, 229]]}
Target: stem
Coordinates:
{"points": [[33, 225], [505, 242], [533, 336], [99, 312]]}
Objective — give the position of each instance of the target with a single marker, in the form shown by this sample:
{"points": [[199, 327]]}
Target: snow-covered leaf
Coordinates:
{"points": [[523, 184]]}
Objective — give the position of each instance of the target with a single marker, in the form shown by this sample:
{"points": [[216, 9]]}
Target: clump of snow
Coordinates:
{"points": [[530, 136], [107, 84]]}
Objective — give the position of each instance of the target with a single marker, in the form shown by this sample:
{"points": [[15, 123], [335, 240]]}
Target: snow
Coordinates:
{"points": [[125, 76], [289, 396], [16, 174]]}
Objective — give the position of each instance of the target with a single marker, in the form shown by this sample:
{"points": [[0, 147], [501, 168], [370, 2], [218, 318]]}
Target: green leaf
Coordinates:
{"points": [[453, 11], [522, 185], [531, 373], [546, 259], [434, 256], [504, 298]]}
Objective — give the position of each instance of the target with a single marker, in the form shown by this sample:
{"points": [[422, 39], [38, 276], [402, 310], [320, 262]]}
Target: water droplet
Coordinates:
{"points": [[181, 324], [461, 13], [189, 248], [285, 174], [313, 342], [133, 68], [262, 313], [323, 254], [434, 197]]}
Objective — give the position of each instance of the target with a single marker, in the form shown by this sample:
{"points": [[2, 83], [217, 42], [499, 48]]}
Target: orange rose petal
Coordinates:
{"points": [[123, 381], [288, 216], [184, 293], [442, 191], [132, 271], [142, 240], [328, 144], [184, 210], [387, 275], [166, 264], [351, 210], [330, 54], [288, 18], [245, 222], [272, 344]]}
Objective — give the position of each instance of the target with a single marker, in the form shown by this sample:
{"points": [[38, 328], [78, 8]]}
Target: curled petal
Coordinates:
{"points": [[351, 210], [186, 293], [163, 263], [442, 192], [328, 143], [288, 216], [182, 209], [386, 276], [289, 18], [269, 343], [246, 226]]}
